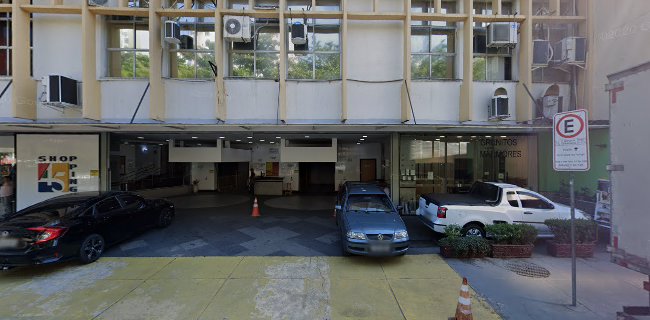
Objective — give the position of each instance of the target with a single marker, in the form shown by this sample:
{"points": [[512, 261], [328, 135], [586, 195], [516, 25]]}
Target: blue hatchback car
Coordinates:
{"points": [[369, 222]]}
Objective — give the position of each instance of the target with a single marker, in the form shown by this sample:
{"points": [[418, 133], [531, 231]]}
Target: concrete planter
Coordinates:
{"points": [[563, 250], [512, 250]]}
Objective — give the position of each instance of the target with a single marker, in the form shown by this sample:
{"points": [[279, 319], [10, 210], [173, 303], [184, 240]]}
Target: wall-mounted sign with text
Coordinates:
{"points": [[53, 165]]}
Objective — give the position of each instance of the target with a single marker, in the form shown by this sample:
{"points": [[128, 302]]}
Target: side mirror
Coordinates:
{"points": [[337, 207]]}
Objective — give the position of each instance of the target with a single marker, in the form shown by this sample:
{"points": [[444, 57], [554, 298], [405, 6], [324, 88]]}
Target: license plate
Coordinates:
{"points": [[8, 243], [380, 248]]}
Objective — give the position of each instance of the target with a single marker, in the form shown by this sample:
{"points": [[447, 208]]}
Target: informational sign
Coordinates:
{"points": [[571, 141], [54, 165]]}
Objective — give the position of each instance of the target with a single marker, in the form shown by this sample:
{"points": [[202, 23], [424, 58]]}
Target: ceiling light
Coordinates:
{"points": [[306, 136], [222, 137], [358, 142], [160, 144], [437, 139], [459, 137], [362, 139], [278, 137], [140, 137], [249, 137], [272, 142], [238, 140], [250, 141], [504, 136], [262, 140], [195, 137], [198, 144], [473, 136], [488, 136], [442, 136], [365, 136]]}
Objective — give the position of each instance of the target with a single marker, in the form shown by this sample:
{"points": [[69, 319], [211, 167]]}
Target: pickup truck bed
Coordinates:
{"points": [[455, 199]]}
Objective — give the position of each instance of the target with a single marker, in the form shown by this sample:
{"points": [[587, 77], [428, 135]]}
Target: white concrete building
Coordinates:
{"points": [[394, 90]]}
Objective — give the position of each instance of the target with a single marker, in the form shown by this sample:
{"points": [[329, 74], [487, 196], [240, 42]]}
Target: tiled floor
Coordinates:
{"points": [[221, 225]]}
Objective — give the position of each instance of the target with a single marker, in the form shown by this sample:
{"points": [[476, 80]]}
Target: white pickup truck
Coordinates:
{"points": [[490, 203]]}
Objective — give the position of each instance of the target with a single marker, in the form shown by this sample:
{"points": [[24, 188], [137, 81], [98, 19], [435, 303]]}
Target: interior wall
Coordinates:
{"points": [[349, 158], [206, 174]]}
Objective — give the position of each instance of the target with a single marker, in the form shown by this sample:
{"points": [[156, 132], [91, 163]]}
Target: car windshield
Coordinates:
{"points": [[369, 203]]}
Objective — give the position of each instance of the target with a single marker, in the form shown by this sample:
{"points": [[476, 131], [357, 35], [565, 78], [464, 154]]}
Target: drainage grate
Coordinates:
{"points": [[527, 269]]}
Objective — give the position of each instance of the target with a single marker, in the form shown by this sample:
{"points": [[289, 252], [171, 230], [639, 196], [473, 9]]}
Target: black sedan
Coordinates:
{"points": [[79, 225]]}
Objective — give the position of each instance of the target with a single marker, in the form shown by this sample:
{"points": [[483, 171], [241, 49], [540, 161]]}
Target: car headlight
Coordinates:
{"points": [[356, 235], [401, 234]]}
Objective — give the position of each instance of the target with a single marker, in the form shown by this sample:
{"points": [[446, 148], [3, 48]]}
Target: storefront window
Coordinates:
{"points": [[451, 164], [8, 172]]}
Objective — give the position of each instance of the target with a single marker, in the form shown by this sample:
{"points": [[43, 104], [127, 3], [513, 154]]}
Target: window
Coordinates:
{"points": [[259, 58], [490, 64], [5, 44], [191, 59], [320, 57], [369, 203], [107, 206], [433, 43], [531, 201], [484, 7], [323, 5], [512, 199], [128, 47], [130, 201]]}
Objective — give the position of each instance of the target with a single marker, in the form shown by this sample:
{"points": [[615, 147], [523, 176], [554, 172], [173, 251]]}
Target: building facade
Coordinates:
{"points": [[399, 91]]}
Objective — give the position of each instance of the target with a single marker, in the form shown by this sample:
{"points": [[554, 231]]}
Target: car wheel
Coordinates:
{"points": [[473, 230], [91, 248], [165, 218]]}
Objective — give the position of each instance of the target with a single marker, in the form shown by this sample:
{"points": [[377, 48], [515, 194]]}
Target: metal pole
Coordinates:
{"points": [[573, 242]]}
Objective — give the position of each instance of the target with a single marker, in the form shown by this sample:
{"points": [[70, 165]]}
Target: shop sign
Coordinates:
{"points": [[53, 165]]}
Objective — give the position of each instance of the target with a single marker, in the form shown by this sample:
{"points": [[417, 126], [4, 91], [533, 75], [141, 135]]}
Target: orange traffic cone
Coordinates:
{"points": [[464, 307], [256, 209]]}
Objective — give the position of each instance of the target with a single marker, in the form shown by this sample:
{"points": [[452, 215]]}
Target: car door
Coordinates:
{"points": [[111, 221], [535, 210], [135, 211]]}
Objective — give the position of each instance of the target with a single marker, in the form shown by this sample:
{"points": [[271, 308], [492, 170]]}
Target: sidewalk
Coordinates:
{"points": [[540, 287], [410, 287]]}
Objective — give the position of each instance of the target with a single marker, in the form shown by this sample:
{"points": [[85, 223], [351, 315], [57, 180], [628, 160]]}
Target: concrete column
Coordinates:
{"points": [[438, 6], [283, 63], [219, 61], [23, 88], [496, 6], [90, 87], [157, 89], [524, 105], [344, 61], [554, 7], [394, 167], [466, 88], [406, 86]]}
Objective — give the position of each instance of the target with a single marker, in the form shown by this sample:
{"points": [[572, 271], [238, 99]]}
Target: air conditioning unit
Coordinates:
{"points": [[502, 34], [498, 108], [97, 3], [571, 50], [237, 28], [172, 32], [542, 53], [551, 105], [299, 33], [60, 90]]}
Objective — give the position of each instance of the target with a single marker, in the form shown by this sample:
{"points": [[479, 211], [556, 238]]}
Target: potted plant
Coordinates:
{"points": [[511, 240], [453, 245], [560, 245], [195, 185]]}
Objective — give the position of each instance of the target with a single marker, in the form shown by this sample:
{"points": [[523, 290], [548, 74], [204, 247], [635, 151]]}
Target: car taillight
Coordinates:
{"points": [[442, 212], [46, 234]]}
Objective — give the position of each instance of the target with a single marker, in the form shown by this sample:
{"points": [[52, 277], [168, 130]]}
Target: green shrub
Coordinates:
{"points": [[453, 230], [464, 246], [586, 230], [517, 234]]}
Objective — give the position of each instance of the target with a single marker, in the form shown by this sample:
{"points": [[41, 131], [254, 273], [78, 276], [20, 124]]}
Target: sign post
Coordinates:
{"points": [[571, 153]]}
